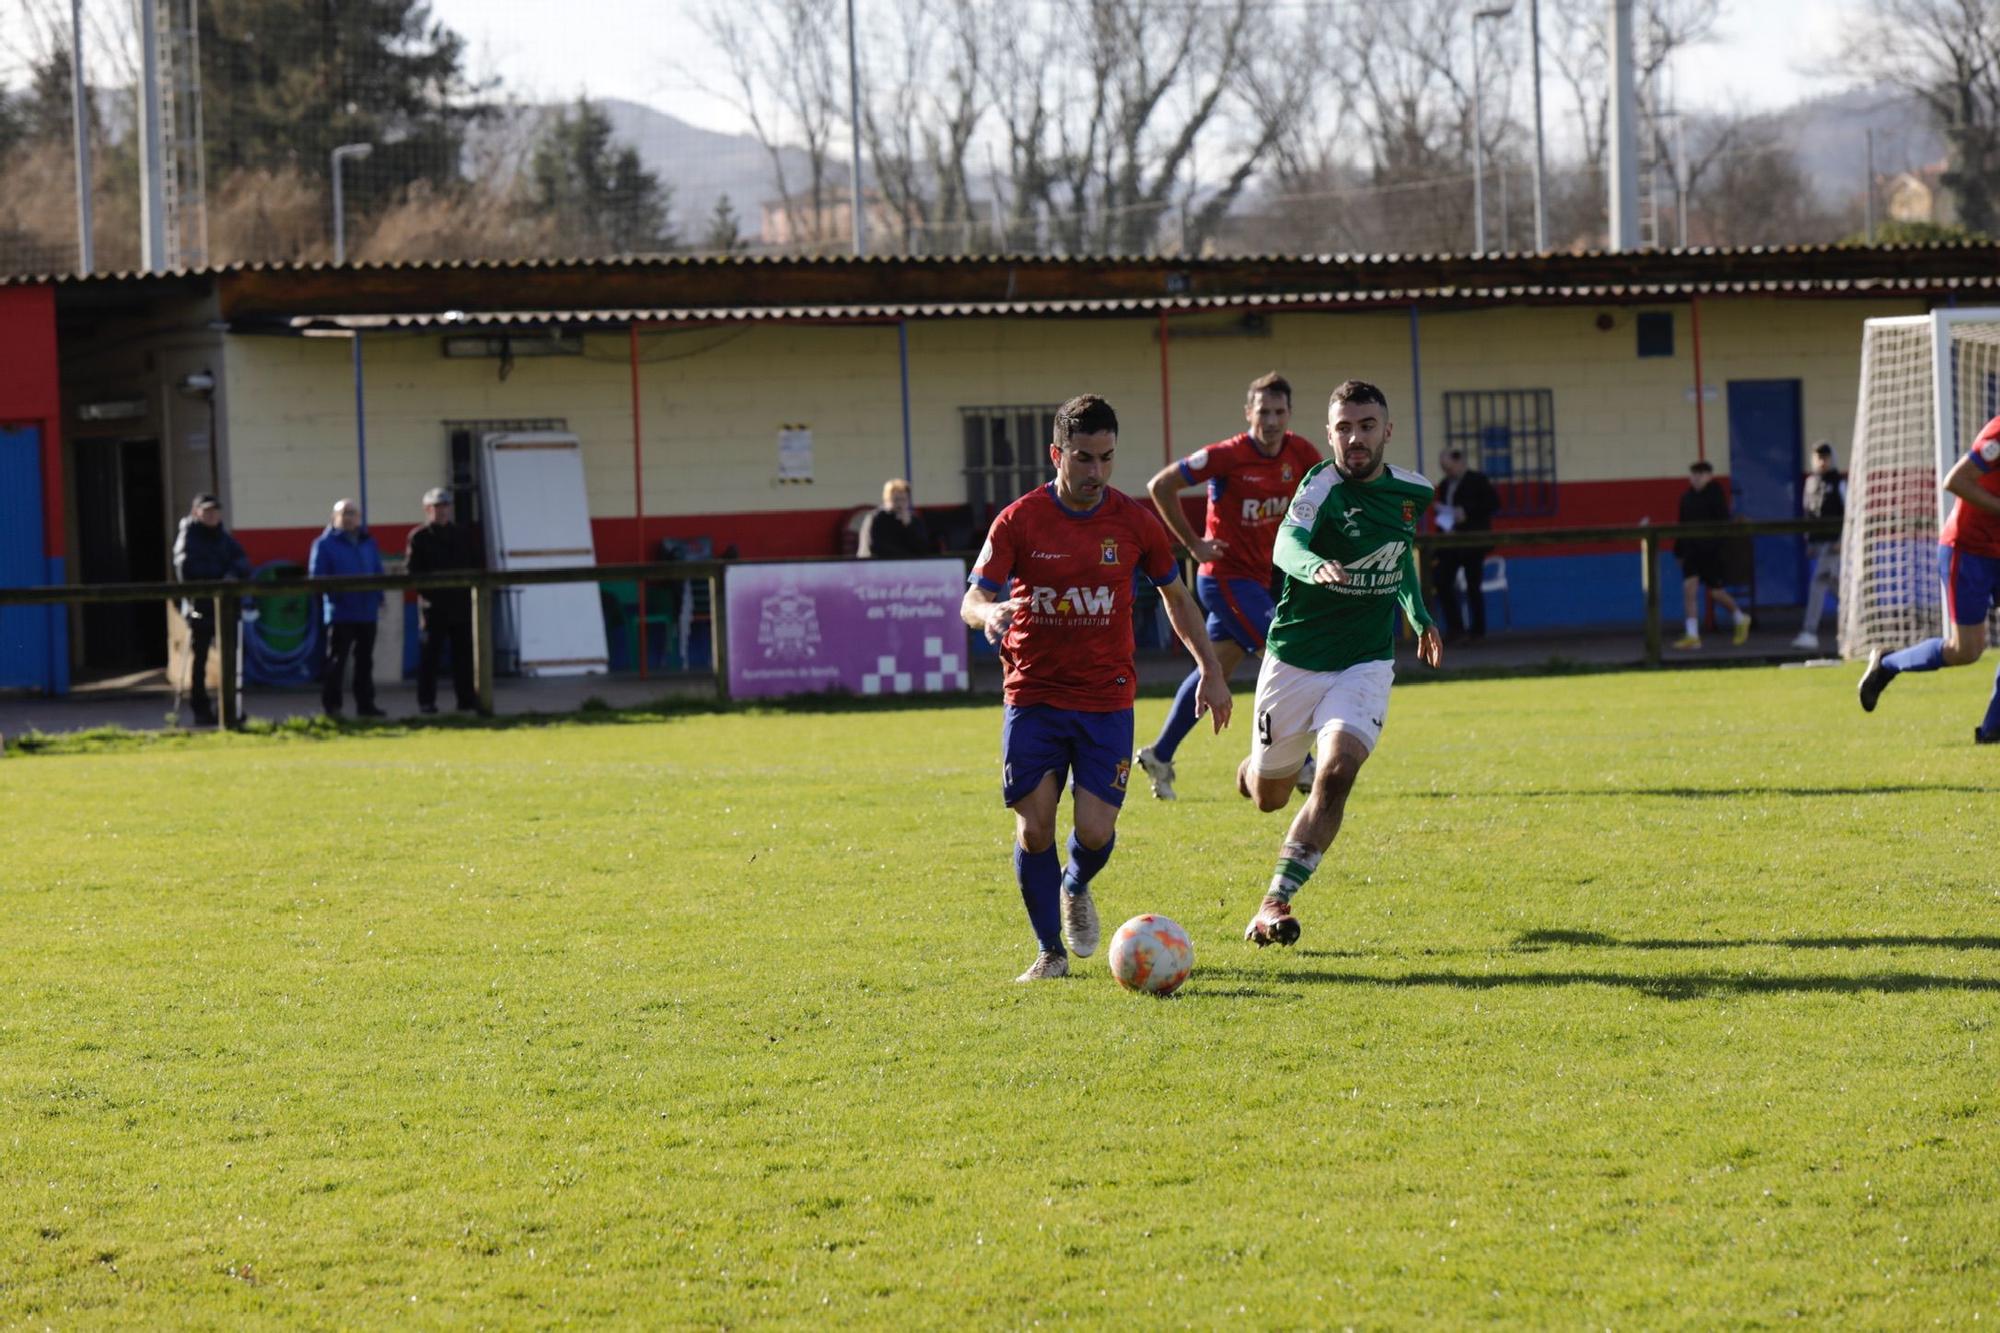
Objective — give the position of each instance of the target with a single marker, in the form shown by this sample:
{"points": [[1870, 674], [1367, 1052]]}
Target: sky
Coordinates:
{"points": [[660, 56]]}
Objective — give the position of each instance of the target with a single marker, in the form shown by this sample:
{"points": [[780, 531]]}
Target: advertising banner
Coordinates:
{"points": [[860, 626]]}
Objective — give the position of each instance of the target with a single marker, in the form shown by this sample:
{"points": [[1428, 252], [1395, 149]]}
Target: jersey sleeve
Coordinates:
{"points": [[1205, 463], [1292, 551], [994, 565], [1156, 551], [1410, 593], [1985, 452]]}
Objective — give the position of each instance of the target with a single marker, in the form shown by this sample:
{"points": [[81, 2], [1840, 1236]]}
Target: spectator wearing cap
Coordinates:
{"points": [[346, 547], [204, 550], [444, 615], [1823, 497]]}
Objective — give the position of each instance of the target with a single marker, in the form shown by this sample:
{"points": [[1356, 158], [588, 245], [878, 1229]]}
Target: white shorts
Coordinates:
{"points": [[1295, 707]]}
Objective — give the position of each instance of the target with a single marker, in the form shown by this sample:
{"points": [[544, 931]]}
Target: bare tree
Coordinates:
{"points": [[1946, 53], [784, 59], [924, 106]]}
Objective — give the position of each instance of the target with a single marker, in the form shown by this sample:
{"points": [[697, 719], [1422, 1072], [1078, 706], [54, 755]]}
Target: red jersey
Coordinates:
{"points": [[1071, 645], [1971, 530], [1247, 496]]}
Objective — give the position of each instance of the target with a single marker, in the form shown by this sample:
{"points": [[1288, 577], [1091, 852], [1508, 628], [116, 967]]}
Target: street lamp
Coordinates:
{"points": [[1479, 132], [356, 152]]}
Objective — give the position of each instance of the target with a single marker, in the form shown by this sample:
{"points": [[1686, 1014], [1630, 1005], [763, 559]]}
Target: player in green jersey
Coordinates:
{"points": [[1348, 551]]}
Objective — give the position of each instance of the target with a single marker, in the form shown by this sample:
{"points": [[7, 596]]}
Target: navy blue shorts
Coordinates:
{"points": [[1239, 609], [1971, 584], [1039, 739]]}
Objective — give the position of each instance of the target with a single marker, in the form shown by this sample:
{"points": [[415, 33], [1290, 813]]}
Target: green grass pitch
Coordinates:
{"points": [[1634, 1000]]}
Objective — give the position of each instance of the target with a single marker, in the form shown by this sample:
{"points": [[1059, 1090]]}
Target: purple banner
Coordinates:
{"points": [[862, 626]]}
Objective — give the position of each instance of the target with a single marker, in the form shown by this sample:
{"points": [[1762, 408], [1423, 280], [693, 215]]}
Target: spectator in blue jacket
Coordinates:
{"points": [[204, 551], [347, 548]]}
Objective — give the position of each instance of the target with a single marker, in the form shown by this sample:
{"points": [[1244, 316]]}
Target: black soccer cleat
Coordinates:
{"points": [[1273, 924], [1874, 680], [1981, 736]]}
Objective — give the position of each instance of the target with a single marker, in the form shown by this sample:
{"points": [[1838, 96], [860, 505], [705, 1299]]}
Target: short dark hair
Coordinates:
{"points": [[1701, 465], [1085, 414], [1824, 449], [1270, 382], [1357, 391], [1454, 455]]}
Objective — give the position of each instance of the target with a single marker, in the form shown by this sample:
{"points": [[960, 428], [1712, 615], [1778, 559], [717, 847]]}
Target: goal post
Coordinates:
{"points": [[1929, 384]]}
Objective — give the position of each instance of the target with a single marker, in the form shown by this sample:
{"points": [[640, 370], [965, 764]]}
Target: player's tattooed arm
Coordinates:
{"points": [[984, 610]]}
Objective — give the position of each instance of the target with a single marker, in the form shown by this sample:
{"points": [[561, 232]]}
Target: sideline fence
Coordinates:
{"points": [[229, 594]]}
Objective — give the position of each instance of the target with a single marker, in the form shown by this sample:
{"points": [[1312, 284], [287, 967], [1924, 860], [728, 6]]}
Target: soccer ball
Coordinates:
{"points": [[1152, 954]]}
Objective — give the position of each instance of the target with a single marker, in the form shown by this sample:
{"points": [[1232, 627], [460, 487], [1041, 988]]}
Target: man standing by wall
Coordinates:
{"points": [[1466, 502], [444, 615], [203, 550], [1824, 497], [348, 548]]}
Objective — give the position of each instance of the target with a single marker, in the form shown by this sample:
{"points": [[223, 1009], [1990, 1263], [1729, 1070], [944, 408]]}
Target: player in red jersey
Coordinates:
{"points": [[1250, 479], [1053, 588], [1969, 567]]}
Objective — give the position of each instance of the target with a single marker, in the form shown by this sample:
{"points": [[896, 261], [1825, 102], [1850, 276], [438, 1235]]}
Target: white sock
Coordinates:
{"points": [[1693, 629], [1742, 616]]}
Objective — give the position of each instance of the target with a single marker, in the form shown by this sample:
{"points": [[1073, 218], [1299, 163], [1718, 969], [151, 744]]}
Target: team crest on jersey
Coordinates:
{"points": [[1409, 511], [1108, 553], [1285, 474], [1119, 778], [1303, 511]]}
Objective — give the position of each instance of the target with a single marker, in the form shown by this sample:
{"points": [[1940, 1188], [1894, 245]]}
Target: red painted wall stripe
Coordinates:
{"points": [[31, 393]]}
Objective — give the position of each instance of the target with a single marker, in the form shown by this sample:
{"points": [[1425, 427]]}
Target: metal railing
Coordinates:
{"points": [[229, 594]]}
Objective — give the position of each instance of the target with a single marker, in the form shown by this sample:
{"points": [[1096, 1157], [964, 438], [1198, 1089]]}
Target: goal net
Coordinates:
{"points": [[1929, 384]]}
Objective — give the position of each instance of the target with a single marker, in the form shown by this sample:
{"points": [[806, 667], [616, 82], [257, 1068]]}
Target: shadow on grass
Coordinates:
{"points": [[1535, 941], [1700, 793], [1198, 991], [1668, 986], [592, 712]]}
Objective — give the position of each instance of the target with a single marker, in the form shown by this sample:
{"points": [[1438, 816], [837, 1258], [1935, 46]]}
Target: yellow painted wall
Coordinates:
{"points": [[713, 399]]}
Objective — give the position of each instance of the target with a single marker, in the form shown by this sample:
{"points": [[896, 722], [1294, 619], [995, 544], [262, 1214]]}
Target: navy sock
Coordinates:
{"points": [[1180, 718], [1925, 656], [1991, 726], [1041, 880], [1084, 863]]}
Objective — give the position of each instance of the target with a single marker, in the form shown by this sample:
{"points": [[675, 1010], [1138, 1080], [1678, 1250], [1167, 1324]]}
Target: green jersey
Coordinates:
{"points": [[1370, 528]]}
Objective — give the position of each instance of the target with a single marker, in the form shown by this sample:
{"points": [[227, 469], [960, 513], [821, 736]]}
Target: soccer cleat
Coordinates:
{"points": [[1980, 736], [1873, 681], [1807, 641], [1048, 966], [1159, 772], [1079, 922], [1741, 634], [1273, 924], [1688, 641], [1304, 781]]}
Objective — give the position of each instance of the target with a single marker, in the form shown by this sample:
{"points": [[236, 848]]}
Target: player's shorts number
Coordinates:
{"points": [[1264, 727]]}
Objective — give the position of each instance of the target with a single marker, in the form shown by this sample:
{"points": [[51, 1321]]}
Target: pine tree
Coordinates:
{"points": [[724, 235], [602, 200]]}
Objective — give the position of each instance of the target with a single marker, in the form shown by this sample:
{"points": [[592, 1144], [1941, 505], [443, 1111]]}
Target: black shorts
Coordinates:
{"points": [[1702, 562]]}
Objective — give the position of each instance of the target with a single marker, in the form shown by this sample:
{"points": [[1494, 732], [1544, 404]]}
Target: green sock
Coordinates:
{"points": [[1296, 863]]}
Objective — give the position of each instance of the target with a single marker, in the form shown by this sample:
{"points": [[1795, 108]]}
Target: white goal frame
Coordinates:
{"points": [[1868, 542]]}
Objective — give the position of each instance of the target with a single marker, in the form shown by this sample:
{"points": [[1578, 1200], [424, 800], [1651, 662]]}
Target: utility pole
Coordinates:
{"points": [[1479, 132], [1869, 205], [854, 118], [152, 144], [1624, 183], [79, 113], [1535, 59]]}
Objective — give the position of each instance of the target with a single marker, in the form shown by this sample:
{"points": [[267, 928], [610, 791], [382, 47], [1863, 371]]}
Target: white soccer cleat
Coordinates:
{"points": [[1048, 966], [1159, 772], [1807, 640], [1304, 781], [1079, 922]]}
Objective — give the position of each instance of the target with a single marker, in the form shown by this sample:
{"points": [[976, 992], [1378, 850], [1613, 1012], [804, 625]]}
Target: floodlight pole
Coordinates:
{"points": [[341, 155], [1479, 133], [854, 119], [1541, 197], [79, 111]]}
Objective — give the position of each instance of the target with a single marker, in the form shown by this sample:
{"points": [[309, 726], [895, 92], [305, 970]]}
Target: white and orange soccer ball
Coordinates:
{"points": [[1151, 953]]}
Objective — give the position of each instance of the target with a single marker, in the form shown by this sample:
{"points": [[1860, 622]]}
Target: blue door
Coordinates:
{"points": [[24, 630], [1766, 458]]}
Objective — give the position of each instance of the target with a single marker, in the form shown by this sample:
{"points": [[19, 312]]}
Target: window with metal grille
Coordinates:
{"points": [[1510, 435], [1006, 455]]}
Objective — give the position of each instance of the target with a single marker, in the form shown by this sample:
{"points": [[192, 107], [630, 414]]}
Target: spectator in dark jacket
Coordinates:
{"points": [[1704, 560], [896, 531], [1466, 502], [347, 548], [444, 615], [204, 550]]}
